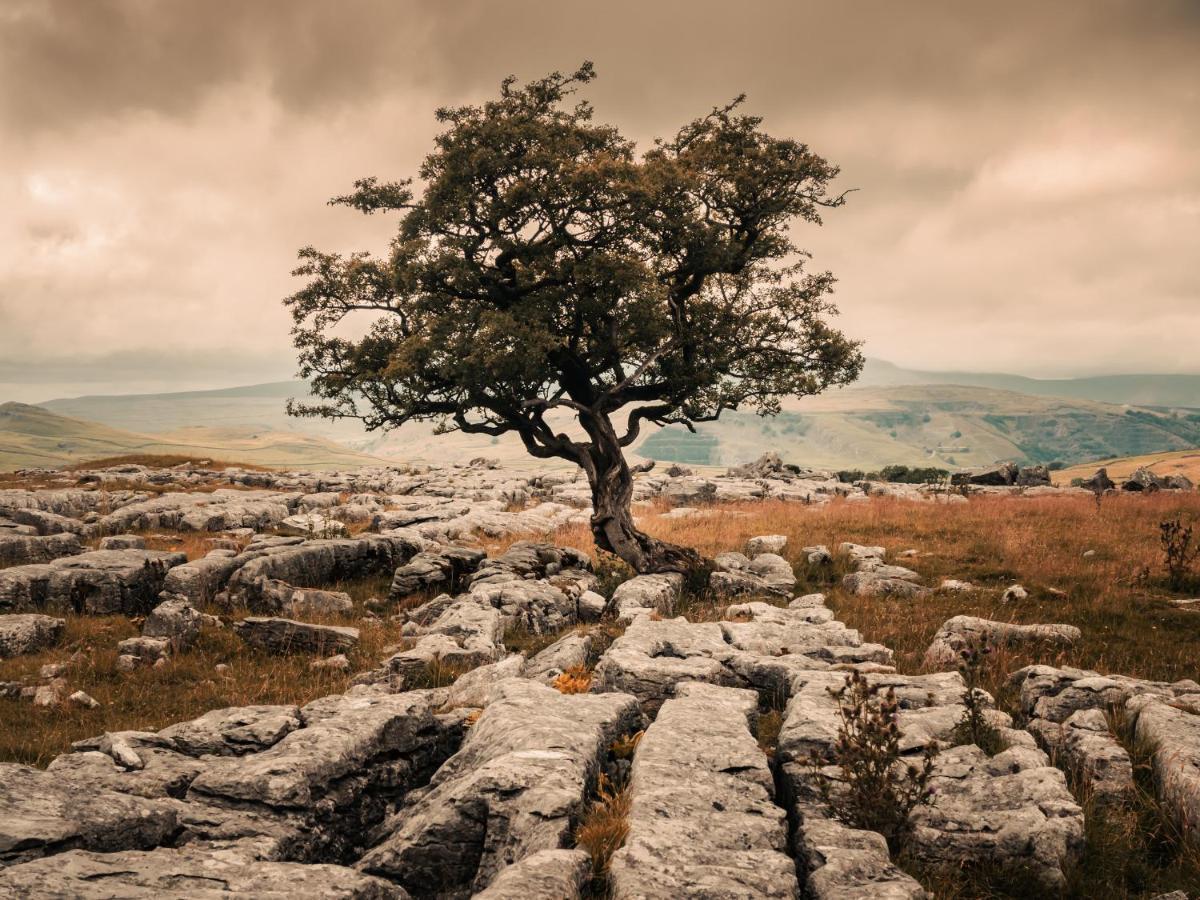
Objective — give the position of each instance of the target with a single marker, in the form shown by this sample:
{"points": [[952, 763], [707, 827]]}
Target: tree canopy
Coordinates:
{"points": [[543, 264]]}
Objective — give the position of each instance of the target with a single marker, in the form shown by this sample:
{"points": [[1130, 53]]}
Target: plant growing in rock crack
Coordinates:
{"points": [[974, 727], [877, 789], [1180, 552], [550, 281]]}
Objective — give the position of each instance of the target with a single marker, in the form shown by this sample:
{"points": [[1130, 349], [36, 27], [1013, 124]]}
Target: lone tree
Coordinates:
{"points": [[547, 271]]}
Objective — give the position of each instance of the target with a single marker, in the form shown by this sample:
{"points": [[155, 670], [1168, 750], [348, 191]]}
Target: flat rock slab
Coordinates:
{"points": [[645, 594], [234, 731], [1084, 744], [220, 510], [958, 633], [102, 582], [22, 633], [321, 562], [442, 568], [1173, 731], [846, 863], [41, 814], [289, 636], [517, 787], [1012, 810], [19, 549], [766, 574], [761, 649], [198, 873], [1055, 694], [703, 822], [545, 875], [344, 734]]}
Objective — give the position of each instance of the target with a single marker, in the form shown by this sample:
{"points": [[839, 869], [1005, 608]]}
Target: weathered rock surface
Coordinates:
{"points": [[102, 582], [123, 542], [645, 594], [766, 543], [1084, 744], [703, 822], [1172, 730], [176, 620], [441, 569], [289, 636], [846, 863], [233, 731], [198, 873], [1013, 810], [311, 525], [313, 563], [200, 580], [767, 574], [958, 633], [571, 650], [279, 597], [760, 648], [22, 633], [515, 788], [545, 875], [21, 549], [40, 815]]}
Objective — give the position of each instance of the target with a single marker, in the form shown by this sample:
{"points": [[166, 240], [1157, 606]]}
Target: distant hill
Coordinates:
{"points": [[1138, 390], [34, 436], [973, 419], [941, 425]]}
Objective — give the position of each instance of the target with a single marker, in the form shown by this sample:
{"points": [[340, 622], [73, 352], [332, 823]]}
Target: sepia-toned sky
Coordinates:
{"points": [[1027, 174]]}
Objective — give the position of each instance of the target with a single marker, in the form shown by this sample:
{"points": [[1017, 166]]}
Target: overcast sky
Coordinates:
{"points": [[1028, 174]]}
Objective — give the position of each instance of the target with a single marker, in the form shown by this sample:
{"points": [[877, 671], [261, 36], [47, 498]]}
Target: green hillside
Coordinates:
{"points": [[34, 436], [944, 425]]}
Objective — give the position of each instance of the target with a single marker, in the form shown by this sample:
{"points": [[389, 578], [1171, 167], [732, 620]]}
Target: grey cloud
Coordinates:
{"points": [[1028, 172]]}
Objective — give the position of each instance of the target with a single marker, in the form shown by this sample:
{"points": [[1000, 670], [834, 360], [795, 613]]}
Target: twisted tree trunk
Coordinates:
{"points": [[612, 516]]}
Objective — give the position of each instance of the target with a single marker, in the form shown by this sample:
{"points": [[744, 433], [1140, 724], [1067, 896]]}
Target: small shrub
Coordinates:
{"points": [[575, 680], [1179, 551], [974, 728], [876, 791]]}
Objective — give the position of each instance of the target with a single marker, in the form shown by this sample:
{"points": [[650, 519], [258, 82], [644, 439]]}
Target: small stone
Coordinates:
{"points": [[50, 694], [161, 662], [52, 670], [954, 586], [767, 543], [1014, 593], [79, 698], [1089, 554], [221, 667], [337, 663]]}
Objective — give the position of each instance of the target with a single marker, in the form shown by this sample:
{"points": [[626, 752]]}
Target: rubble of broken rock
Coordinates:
{"points": [[453, 767]]}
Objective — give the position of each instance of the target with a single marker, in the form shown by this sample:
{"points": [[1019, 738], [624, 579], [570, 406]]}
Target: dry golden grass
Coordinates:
{"points": [[188, 686], [1116, 597], [604, 827]]}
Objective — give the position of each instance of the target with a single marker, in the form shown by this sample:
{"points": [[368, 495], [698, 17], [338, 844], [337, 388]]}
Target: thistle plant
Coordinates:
{"points": [[877, 790]]}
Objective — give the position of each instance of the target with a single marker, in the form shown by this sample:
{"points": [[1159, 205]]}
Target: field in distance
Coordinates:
{"points": [[31, 436]]}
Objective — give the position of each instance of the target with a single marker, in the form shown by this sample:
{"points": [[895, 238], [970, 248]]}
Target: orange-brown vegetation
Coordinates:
{"points": [[575, 680]]}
